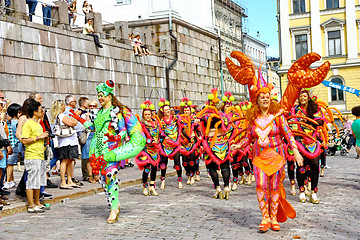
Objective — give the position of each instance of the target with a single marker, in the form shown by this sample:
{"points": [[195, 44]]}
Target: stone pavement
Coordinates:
{"points": [[128, 177], [192, 213]]}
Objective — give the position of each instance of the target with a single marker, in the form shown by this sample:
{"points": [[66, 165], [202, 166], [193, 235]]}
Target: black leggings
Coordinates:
{"points": [[189, 163], [164, 163], [323, 158], [291, 170], [239, 166], [225, 171], [149, 168], [308, 172]]}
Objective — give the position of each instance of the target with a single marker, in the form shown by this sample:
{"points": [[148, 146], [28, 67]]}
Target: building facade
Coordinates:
{"points": [[222, 17], [331, 29]]}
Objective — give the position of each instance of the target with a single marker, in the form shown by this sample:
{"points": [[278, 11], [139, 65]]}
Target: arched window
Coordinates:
{"points": [[336, 94]]}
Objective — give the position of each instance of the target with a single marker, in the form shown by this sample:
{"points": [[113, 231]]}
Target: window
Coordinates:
{"points": [[123, 1], [301, 45], [334, 39], [332, 4], [298, 6], [336, 94]]}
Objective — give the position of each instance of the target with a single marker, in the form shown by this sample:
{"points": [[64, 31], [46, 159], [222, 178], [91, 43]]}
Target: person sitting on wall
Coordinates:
{"points": [[138, 42], [137, 48], [89, 30]]}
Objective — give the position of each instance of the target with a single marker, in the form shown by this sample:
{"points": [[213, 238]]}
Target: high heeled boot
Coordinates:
{"points": [[152, 190], [188, 180], [248, 180], [264, 207], [114, 215], [192, 180], [242, 180], [252, 177], [145, 189], [313, 198], [162, 185], [274, 205], [197, 176], [235, 183], [302, 195], [293, 190], [180, 186], [227, 192], [218, 193]]}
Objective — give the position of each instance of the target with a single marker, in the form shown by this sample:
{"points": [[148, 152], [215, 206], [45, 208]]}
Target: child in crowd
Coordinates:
{"points": [[34, 139], [14, 112]]}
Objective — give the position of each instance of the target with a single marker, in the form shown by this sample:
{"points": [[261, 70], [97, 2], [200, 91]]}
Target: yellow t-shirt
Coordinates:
{"points": [[32, 129]]}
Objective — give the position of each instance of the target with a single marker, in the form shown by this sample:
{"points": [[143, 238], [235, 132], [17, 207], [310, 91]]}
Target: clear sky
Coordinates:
{"points": [[262, 18]]}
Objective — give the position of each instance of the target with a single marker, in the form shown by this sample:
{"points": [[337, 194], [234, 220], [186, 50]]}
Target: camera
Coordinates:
{"points": [[4, 143], [51, 135]]}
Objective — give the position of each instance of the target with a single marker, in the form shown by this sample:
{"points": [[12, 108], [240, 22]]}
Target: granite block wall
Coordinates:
{"points": [[57, 62]]}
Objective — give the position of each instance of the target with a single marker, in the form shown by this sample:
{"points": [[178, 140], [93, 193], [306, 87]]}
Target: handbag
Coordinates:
{"points": [[61, 130], [84, 136]]}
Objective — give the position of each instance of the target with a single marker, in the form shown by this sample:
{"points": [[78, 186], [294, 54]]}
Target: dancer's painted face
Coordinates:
{"points": [[187, 111], [103, 100], [167, 111], [226, 107], [303, 98], [147, 115], [264, 100]]}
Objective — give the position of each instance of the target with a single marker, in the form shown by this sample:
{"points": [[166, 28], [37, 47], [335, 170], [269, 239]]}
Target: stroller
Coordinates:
{"points": [[338, 144]]}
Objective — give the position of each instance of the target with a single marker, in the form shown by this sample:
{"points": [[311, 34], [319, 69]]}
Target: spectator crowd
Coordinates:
{"points": [[46, 144]]}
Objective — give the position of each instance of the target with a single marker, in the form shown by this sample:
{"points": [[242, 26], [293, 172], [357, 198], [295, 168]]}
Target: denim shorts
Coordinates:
{"points": [[3, 160], [13, 158]]}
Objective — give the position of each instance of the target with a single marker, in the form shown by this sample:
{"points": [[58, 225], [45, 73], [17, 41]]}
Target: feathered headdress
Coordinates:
{"points": [[147, 105], [262, 86], [163, 103], [245, 105], [213, 97], [185, 102], [228, 98]]}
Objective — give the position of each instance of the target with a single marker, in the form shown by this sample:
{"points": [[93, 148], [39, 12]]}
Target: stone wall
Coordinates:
{"points": [[56, 62]]}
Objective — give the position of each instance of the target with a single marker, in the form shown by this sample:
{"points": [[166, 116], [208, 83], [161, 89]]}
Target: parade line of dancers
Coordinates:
{"points": [[256, 139]]}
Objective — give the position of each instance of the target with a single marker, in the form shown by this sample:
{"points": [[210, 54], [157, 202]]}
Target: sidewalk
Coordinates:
{"points": [[127, 176]]}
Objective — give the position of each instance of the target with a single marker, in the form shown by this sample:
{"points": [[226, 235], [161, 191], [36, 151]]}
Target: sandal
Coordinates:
{"points": [[3, 197], [3, 202], [91, 179], [264, 225], [67, 187]]}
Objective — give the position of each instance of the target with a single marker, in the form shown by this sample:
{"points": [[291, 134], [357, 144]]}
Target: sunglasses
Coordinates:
{"points": [[92, 105]]}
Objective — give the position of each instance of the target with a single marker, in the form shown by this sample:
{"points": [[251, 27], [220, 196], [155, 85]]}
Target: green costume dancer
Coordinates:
{"points": [[113, 123]]}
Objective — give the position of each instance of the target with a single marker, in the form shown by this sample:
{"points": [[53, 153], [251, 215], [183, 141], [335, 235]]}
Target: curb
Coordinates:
{"points": [[21, 207]]}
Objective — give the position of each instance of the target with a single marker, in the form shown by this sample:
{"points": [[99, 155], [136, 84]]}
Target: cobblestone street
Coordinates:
{"points": [[192, 213]]}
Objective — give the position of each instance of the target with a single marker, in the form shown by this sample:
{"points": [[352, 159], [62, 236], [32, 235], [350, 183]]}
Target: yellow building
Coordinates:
{"points": [[331, 29]]}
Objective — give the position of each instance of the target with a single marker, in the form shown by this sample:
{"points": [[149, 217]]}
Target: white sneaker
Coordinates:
{"points": [[7, 185], [12, 184], [327, 167]]}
